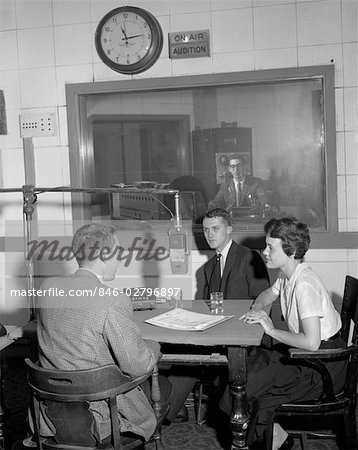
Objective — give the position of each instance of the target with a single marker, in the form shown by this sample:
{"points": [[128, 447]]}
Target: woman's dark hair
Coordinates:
{"points": [[294, 235]]}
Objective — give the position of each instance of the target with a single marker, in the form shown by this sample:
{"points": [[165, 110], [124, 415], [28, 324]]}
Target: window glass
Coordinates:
{"points": [[256, 149]]}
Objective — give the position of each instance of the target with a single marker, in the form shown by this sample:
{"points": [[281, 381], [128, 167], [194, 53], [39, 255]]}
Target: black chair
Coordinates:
{"points": [[66, 396], [328, 408]]}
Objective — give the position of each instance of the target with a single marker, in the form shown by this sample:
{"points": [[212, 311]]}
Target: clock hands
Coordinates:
{"points": [[124, 33], [131, 37]]}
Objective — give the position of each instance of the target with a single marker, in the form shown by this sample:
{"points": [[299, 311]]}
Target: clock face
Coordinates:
{"points": [[129, 39]]}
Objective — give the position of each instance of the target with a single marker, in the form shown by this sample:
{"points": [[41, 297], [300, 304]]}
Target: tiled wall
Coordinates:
{"points": [[45, 44]]}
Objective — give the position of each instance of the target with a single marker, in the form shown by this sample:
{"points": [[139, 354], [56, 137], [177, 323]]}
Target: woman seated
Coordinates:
{"points": [[312, 321]]}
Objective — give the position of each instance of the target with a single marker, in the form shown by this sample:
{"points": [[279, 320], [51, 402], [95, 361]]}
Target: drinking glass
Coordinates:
{"points": [[217, 302]]}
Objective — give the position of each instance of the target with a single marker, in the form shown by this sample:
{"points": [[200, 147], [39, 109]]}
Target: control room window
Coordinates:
{"points": [[261, 147]]}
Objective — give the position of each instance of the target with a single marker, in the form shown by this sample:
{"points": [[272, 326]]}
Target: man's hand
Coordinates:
{"points": [[259, 316]]}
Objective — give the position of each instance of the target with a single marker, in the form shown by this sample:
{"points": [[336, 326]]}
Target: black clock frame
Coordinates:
{"points": [[153, 53]]}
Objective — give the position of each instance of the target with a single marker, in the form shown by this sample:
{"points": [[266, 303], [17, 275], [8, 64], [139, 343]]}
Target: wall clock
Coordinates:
{"points": [[129, 39]]}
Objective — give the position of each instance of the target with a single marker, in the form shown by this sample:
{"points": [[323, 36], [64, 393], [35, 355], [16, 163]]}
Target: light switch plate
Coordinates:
{"points": [[38, 124]]}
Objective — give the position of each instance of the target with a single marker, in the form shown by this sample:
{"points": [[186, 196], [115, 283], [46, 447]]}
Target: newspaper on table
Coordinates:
{"points": [[182, 319]]}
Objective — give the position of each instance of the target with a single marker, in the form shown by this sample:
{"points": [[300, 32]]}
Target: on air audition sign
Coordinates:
{"points": [[189, 44]]}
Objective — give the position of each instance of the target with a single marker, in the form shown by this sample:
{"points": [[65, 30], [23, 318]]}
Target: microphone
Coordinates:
{"points": [[178, 243]]}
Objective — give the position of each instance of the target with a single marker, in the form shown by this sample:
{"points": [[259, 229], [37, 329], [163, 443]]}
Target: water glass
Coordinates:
{"points": [[217, 302]]}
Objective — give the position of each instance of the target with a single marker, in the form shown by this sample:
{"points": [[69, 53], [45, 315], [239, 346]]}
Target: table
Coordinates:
{"points": [[27, 331], [234, 335]]}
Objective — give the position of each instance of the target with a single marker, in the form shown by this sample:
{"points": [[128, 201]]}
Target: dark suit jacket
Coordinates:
{"points": [[245, 274], [226, 196]]}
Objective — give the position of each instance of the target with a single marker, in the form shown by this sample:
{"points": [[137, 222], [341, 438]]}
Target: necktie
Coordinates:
{"points": [[215, 280]]}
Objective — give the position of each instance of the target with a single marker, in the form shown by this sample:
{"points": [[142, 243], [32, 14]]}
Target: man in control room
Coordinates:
{"points": [[239, 189], [81, 331], [242, 272]]}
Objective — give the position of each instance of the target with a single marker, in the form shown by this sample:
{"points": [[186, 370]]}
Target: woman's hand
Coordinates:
{"points": [[259, 316]]}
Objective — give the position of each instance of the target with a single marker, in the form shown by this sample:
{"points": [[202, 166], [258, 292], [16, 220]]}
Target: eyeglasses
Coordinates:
{"points": [[233, 166]]}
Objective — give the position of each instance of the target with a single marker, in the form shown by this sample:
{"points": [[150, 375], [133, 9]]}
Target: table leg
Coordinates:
{"points": [[240, 412]]}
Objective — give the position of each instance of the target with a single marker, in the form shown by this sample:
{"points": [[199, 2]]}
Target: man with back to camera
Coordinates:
{"points": [[238, 187], [85, 331], [243, 272]]}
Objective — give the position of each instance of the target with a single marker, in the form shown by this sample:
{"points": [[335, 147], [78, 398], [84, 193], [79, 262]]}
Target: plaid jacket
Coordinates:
{"points": [[90, 327]]}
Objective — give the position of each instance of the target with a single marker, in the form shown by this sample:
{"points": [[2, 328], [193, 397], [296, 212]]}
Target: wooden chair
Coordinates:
{"points": [[329, 406], [67, 395]]}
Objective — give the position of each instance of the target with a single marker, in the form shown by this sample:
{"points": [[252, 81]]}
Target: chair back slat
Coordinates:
{"points": [[349, 312], [349, 316]]}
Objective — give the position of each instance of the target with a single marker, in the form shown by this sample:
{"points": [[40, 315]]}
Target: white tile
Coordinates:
{"points": [[350, 64], [29, 43], [353, 255], [155, 7], [232, 30], [165, 25], [101, 72], [230, 4], [68, 12], [350, 20], [63, 129], [194, 21], [12, 205], [38, 87], [67, 209], [34, 13], [14, 175], [10, 84], [340, 153], [48, 166], [351, 155], [275, 58], [342, 196], [351, 109], [339, 109], [79, 73], [323, 55], [270, 2], [319, 22], [50, 205], [70, 50], [161, 68], [65, 167], [342, 225], [233, 62], [331, 255], [12, 139], [352, 227], [101, 7], [192, 66], [7, 15], [188, 6], [352, 196], [8, 50], [275, 27]]}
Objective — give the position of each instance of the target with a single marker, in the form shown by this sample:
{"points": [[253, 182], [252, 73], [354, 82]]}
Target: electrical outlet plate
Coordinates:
{"points": [[38, 124]]}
